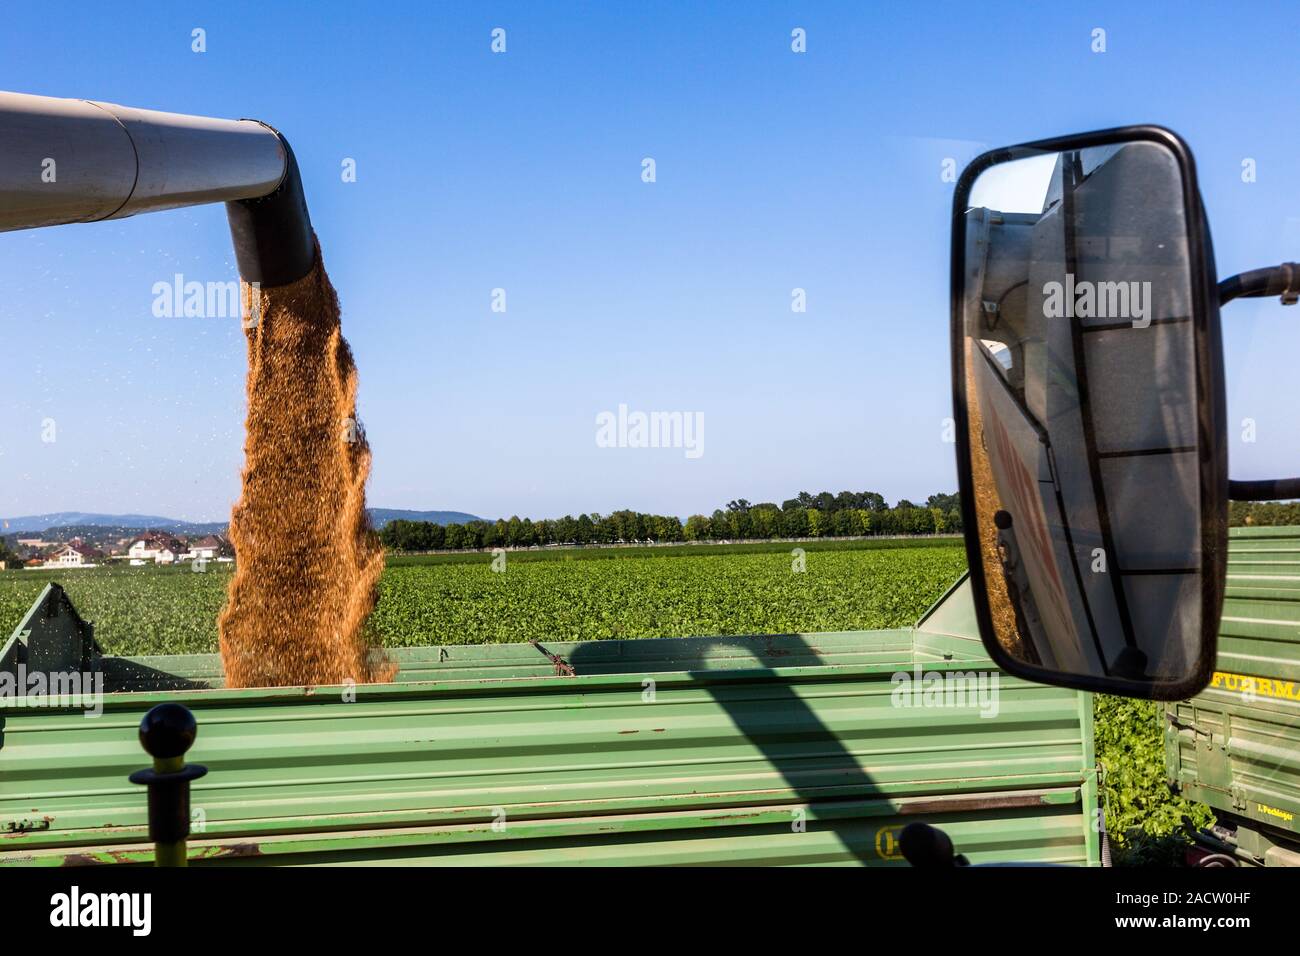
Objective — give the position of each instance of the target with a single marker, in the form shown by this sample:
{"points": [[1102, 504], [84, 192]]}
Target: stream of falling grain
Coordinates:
{"points": [[307, 560]]}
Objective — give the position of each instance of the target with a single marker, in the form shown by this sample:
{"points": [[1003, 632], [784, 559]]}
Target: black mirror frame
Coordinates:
{"points": [[1211, 415]]}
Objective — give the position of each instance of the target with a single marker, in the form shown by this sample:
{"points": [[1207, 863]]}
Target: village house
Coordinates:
{"points": [[156, 546], [73, 555], [212, 547]]}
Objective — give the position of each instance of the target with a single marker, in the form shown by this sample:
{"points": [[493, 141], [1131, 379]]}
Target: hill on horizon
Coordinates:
{"points": [[381, 516], [35, 524]]}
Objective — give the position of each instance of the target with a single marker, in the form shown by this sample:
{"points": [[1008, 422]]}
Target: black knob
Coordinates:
{"points": [[925, 846], [168, 730]]}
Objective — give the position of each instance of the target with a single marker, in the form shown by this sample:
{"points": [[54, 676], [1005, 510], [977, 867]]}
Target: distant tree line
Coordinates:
{"points": [[1263, 513], [9, 555], [848, 514]]}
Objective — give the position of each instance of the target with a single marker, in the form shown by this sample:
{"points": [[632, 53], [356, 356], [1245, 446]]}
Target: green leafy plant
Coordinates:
{"points": [[1143, 816], [575, 594]]}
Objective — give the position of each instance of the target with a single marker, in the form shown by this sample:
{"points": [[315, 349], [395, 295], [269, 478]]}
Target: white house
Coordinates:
{"points": [[211, 547], [159, 548], [72, 556], [141, 550]]}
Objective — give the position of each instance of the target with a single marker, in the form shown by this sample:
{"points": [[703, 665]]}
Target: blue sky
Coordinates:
{"points": [[522, 171]]}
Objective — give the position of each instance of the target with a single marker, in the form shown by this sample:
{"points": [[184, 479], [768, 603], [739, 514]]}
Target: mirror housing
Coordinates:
{"points": [[1085, 338]]}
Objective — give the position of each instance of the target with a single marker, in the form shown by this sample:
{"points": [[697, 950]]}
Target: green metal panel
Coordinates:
{"points": [[1236, 745], [650, 655], [792, 749], [1035, 825], [64, 641]]}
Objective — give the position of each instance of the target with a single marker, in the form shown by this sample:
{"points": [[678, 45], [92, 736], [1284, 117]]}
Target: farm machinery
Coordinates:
{"points": [[66, 161], [1089, 414], [1234, 746], [1090, 405]]}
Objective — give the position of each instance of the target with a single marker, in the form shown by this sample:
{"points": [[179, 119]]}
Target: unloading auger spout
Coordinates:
{"points": [[67, 160]]}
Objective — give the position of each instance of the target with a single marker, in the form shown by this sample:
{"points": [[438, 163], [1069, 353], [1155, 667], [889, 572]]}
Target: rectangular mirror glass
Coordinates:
{"points": [[1078, 351]]}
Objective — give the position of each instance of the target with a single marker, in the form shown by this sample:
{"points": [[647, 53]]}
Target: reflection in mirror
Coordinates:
{"points": [[1080, 382]]}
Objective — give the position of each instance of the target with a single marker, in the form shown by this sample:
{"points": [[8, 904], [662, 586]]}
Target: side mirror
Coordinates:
{"points": [[1089, 404]]}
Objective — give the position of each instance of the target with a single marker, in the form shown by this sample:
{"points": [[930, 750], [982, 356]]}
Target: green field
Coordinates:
{"points": [[681, 550], [660, 596], [136, 611], [571, 594]]}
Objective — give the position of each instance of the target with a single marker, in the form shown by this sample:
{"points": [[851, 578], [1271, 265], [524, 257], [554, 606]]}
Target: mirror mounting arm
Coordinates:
{"points": [[1270, 489], [1283, 281]]}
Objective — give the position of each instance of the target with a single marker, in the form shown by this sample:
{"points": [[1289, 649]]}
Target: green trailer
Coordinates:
{"points": [[788, 749], [1236, 745]]}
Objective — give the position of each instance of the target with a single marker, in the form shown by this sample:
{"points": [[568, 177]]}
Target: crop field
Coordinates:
{"points": [[654, 596], [556, 595], [136, 611]]}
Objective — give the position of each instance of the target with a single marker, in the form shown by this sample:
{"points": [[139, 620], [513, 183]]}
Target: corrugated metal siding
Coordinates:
{"points": [[1236, 746], [1038, 825], [736, 760], [647, 655]]}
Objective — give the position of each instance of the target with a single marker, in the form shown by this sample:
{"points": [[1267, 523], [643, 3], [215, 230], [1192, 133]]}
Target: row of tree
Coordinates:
{"points": [[848, 514], [9, 555], [1263, 513]]}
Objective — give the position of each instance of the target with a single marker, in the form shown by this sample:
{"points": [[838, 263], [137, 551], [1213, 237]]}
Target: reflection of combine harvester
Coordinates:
{"points": [[1063, 317], [1019, 593]]}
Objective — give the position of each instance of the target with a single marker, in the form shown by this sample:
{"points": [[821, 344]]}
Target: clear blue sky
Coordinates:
{"points": [[523, 171]]}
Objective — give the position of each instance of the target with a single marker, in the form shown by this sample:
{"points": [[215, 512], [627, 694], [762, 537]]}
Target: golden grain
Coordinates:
{"points": [[307, 559]]}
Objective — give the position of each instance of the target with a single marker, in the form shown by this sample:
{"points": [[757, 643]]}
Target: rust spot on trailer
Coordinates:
{"points": [[230, 850], [241, 849], [102, 858], [17, 828], [562, 667], [629, 732], [116, 826], [971, 803]]}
